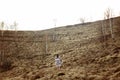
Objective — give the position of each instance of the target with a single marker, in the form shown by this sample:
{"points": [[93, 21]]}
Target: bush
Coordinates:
{"points": [[6, 65]]}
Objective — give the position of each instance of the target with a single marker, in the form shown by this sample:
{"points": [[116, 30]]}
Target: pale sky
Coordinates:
{"points": [[42, 14]]}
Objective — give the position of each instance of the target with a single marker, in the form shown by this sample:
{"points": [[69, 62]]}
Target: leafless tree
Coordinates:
{"points": [[108, 15], [2, 44], [44, 47], [103, 33], [5, 63], [46, 43], [82, 20], [102, 30], [54, 32], [2, 27], [15, 24]]}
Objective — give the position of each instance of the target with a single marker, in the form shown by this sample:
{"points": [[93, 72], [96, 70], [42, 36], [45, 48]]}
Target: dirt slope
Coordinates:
{"points": [[84, 53]]}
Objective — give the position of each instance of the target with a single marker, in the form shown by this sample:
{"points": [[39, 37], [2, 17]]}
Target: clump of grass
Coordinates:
{"points": [[6, 65]]}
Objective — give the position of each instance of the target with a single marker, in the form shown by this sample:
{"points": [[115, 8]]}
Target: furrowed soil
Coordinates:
{"points": [[86, 51]]}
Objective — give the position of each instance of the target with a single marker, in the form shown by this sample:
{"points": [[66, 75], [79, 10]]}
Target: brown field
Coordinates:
{"points": [[85, 54]]}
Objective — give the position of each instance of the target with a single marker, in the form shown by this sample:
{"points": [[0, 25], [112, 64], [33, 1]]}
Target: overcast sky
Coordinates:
{"points": [[43, 14]]}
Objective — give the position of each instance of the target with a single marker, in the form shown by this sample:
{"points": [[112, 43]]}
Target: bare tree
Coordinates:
{"points": [[5, 63], [108, 15], [54, 32], [2, 27], [2, 51], [46, 43], [2, 44], [82, 20], [104, 32], [44, 47], [15, 24]]}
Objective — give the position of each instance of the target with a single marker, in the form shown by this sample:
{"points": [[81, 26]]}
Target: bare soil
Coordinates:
{"points": [[85, 54]]}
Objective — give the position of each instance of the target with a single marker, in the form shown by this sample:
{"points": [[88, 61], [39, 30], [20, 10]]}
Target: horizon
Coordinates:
{"points": [[40, 15]]}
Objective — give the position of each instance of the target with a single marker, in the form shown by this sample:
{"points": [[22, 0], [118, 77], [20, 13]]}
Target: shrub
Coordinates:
{"points": [[6, 65]]}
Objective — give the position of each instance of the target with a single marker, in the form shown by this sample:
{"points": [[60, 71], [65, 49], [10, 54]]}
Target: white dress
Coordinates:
{"points": [[58, 62]]}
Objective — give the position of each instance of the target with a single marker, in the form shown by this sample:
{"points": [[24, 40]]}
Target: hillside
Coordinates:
{"points": [[85, 54]]}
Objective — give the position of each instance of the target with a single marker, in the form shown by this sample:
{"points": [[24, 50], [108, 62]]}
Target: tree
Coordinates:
{"points": [[46, 44], [2, 44], [82, 20], [104, 32], [44, 47], [2, 27], [5, 63], [15, 24], [54, 31], [108, 15]]}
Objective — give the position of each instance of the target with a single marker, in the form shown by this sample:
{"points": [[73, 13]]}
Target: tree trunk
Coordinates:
{"points": [[111, 28]]}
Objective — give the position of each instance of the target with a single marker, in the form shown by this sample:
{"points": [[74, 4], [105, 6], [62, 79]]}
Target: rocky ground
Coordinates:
{"points": [[85, 54]]}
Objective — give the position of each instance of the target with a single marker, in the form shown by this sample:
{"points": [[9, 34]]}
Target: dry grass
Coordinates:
{"points": [[85, 56]]}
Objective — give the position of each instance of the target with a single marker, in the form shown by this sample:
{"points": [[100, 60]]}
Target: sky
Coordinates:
{"points": [[45, 14]]}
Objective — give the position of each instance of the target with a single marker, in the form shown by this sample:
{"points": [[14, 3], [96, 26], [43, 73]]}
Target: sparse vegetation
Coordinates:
{"points": [[5, 64], [108, 15], [79, 46]]}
